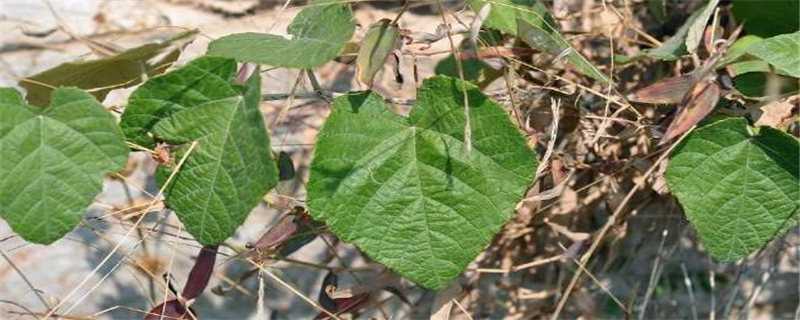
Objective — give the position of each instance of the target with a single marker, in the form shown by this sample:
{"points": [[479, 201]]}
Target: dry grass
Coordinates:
{"points": [[598, 235]]}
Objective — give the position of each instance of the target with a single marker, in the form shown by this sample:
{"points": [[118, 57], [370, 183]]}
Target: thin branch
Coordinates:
{"points": [[611, 221], [24, 278], [126, 236], [293, 290], [460, 67]]}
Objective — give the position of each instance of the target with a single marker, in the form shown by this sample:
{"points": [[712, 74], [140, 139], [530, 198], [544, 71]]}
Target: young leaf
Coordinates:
{"points": [[229, 171], [119, 71], [679, 44], [506, 14], [780, 51], [475, 70], [739, 190], [739, 49], [52, 161], [695, 33], [552, 42], [530, 21], [406, 191], [200, 81], [381, 39], [319, 33], [754, 65]]}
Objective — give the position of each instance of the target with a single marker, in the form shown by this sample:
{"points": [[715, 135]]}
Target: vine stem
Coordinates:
{"points": [[611, 221]]}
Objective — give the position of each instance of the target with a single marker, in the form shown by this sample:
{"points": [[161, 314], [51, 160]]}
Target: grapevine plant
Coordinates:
{"points": [[422, 193]]}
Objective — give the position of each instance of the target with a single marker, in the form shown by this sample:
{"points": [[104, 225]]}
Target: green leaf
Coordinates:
{"points": [[748, 66], [406, 191], [658, 9], [53, 161], [738, 190], [231, 167], [553, 43], [780, 51], [319, 33], [506, 14], [123, 70], [752, 65], [768, 18], [698, 26], [381, 39], [200, 81], [751, 84], [475, 70], [530, 21], [755, 84], [738, 49], [685, 40]]}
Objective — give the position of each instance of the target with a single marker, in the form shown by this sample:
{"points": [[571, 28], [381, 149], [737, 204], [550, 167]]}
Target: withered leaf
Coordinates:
{"points": [[698, 103], [103, 75], [667, 91], [381, 39]]}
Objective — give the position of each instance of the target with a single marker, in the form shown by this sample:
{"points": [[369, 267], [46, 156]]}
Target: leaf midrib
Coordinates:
{"points": [[218, 165]]}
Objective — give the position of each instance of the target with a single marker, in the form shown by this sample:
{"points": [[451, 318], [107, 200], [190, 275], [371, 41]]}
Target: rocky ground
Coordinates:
{"points": [[653, 257]]}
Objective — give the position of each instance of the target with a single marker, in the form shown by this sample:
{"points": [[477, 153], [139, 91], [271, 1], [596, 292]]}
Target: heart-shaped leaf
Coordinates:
{"points": [[52, 161], [739, 190], [122, 70], [319, 32], [405, 190], [231, 167], [200, 81]]}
